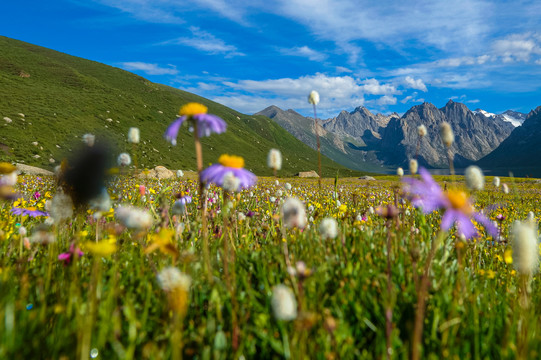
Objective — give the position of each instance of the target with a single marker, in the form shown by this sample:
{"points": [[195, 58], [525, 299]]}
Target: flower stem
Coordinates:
{"points": [[318, 147], [202, 202]]}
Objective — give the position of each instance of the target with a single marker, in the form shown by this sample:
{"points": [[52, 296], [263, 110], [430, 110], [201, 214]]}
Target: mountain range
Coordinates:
{"points": [[391, 140]]}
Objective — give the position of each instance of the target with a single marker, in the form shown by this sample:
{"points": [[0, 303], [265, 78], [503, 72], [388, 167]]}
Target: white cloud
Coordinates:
{"points": [[415, 84], [305, 51], [412, 98], [474, 101], [386, 100], [518, 47], [341, 69], [150, 69], [373, 87], [206, 42]]}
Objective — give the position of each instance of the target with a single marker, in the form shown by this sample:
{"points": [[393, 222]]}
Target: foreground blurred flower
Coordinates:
{"points": [[328, 228], [421, 130], [228, 164], [133, 218], [474, 178], [179, 207], [525, 248], [177, 286], [284, 305], [102, 248], [66, 257], [206, 124], [413, 166], [31, 211], [496, 181], [400, 172], [313, 98], [60, 207], [427, 195], [293, 213]]}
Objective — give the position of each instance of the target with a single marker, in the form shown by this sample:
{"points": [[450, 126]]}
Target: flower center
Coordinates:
{"points": [[459, 200], [231, 161], [192, 109]]}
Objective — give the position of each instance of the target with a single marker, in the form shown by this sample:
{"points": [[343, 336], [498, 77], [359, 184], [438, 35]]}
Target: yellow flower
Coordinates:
{"points": [[231, 161], [6, 168], [191, 109], [102, 248], [491, 274], [508, 256]]}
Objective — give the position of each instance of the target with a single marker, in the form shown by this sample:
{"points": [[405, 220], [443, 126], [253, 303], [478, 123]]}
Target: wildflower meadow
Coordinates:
{"points": [[99, 262]]}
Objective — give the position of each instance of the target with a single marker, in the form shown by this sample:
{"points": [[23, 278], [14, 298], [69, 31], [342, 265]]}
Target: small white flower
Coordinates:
{"points": [[172, 278], [22, 231], [241, 217], [313, 98], [230, 182], [413, 166], [400, 171], [272, 199], [421, 130], [496, 181], [274, 159], [446, 133], [180, 173], [505, 189], [134, 135], [287, 186], [525, 248], [124, 159], [279, 193], [284, 305], [133, 218], [293, 213], [89, 139], [474, 178], [328, 228]]}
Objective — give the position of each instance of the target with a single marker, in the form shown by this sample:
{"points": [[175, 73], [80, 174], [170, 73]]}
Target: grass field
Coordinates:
{"points": [[108, 303]]}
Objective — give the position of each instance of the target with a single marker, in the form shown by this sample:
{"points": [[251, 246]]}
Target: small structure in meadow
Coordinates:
{"points": [[307, 174]]}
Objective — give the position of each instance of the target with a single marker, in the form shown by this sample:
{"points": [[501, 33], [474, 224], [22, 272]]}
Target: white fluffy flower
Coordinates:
{"points": [[230, 182], [413, 166], [172, 278], [474, 178], [421, 130], [284, 305], [274, 159], [9, 179], [293, 213], [400, 171], [446, 133], [287, 186], [124, 159], [525, 248], [60, 207], [328, 228], [133, 218], [134, 135], [505, 189], [102, 202], [180, 173], [89, 139], [496, 181], [313, 98]]}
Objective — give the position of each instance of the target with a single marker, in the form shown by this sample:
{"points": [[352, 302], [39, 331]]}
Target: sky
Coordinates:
{"points": [[249, 54]]}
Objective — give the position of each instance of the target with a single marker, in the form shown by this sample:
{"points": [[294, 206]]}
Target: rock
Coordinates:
{"points": [[159, 172], [307, 174], [32, 170], [365, 177]]}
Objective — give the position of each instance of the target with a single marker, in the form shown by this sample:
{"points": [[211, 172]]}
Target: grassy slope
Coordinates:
{"points": [[66, 97]]}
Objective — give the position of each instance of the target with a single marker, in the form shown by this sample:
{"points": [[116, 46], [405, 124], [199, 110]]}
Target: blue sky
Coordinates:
{"points": [[249, 54]]}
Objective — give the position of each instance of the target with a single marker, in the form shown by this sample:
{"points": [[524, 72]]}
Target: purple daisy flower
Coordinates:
{"points": [[228, 164], [428, 195], [207, 124], [32, 211]]}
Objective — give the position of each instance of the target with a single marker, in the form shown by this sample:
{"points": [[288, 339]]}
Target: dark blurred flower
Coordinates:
{"points": [[66, 257]]}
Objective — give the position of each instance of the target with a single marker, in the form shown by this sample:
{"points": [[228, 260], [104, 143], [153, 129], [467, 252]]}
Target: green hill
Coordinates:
{"points": [[62, 97]]}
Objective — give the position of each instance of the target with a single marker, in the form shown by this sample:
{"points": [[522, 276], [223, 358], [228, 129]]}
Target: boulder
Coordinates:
{"points": [[159, 172], [32, 170], [307, 174], [366, 177]]}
